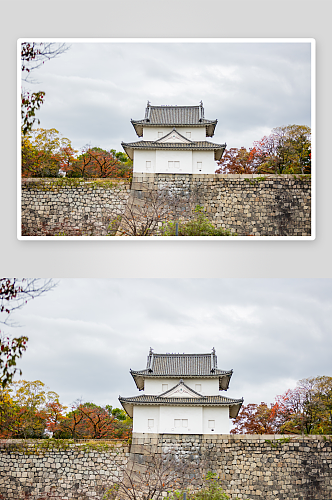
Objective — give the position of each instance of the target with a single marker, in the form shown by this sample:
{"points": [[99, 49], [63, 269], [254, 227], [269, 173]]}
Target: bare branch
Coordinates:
{"points": [[34, 54], [149, 208], [15, 292]]}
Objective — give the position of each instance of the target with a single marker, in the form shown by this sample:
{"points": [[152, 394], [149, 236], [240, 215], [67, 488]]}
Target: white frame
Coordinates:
{"points": [[312, 41]]}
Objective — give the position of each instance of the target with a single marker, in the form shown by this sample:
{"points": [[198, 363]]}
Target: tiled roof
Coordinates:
{"points": [[194, 145], [182, 366], [174, 115], [173, 145], [128, 403], [204, 400]]}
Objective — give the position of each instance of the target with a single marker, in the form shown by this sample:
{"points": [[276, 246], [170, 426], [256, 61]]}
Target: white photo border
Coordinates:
{"points": [[312, 42]]}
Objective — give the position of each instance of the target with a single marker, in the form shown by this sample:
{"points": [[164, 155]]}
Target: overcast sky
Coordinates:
{"points": [[94, 89], [86, 334]]}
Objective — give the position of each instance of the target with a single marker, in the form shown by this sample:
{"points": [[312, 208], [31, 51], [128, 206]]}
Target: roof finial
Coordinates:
{"points": [[213, 351], [151, 351], [201, 103], [148, 104]]}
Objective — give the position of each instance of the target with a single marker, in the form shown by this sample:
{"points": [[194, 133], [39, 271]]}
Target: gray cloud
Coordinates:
{"points": [[86, 334], [94, 89]]}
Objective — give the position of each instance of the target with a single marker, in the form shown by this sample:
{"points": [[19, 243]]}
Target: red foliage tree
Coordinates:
{"points": [[260, 419], [87, 420], [97, 163], [239, 161], [287, 150]]}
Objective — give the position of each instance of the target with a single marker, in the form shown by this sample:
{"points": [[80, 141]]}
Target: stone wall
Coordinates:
{"points": [[244, 204], [256, 467], [271, 205], [76, 471], [73, 207]]}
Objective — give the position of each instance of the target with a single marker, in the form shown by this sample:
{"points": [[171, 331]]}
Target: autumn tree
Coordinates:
{"points": [[33, 55], [100, 163], [309, 406], [45, 153], [287, 150], [28, 409], [239, 161], [259, 419], [306, 409], [88, 420], [8, 414]]}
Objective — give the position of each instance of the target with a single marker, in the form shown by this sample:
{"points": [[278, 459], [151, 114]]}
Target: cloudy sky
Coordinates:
{"points": [[86, 334], [94, 89]]}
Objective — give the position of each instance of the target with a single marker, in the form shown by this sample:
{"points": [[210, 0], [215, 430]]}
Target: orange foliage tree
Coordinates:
{"points": [[45, 153], [97, 163], [27, 409], [239, 161], [260, 419], [88, 420]]}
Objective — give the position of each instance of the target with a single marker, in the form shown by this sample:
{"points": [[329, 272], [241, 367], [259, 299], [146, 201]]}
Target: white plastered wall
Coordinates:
{"points": [[190, 419], [220, 417], [141, 417], [208, 164], [191, 414], [140, 159], [151, 133], [183, 157], [159, 161], [209, 387]]}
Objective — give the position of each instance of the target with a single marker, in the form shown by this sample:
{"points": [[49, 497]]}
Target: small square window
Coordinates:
{"points": [[199, 166], [150, 422], [160, 134], [211, 424], [188, 135], [177, 422], [148, 166], [164, 387], [184, 422]]}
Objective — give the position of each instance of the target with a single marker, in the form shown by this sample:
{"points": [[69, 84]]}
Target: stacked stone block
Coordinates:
{"points": [[255, 467], [60, 474], [82, 208], [248, 205]]}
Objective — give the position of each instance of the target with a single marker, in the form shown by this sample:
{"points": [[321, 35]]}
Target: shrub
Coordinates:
{"points": [[198, 226], [211, 491]]}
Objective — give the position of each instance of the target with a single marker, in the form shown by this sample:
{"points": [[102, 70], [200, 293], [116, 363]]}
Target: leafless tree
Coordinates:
{"points": [[14, 293], [149, 208], [34, 54], [150, 475]]}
